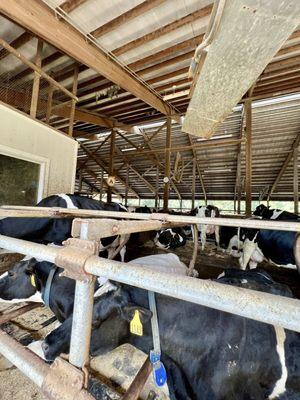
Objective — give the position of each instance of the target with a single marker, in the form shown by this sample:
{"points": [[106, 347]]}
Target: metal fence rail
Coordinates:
{"points": [[82, 265]]}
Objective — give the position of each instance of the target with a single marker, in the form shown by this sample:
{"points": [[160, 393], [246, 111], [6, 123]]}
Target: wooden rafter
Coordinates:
{"points": [[17, 43], [198, 168], [284, 166], [203, 12], [70, 5], [28, 14], [126, 17], [105, 167]]}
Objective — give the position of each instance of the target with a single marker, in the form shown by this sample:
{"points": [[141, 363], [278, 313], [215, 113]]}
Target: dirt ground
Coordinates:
{"points": [[37, 323]]}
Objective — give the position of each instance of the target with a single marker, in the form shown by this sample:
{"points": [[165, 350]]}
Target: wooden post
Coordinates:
{"points": [[73, 105], [36, 80], [80, 181], [157, 188], [49, 103], [126, 185], [193, 183], [296, 181], [101, 188], [248, 181], [111, 162], [167, 165]]}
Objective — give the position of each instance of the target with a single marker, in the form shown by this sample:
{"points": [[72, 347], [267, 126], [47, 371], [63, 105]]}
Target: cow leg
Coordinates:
{"points": [[203, 236], [122, 253], [217, 235], [123, 239]]}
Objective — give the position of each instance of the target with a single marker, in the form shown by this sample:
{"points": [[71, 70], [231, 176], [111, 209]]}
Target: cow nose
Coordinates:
{"points": [[45, 348]]}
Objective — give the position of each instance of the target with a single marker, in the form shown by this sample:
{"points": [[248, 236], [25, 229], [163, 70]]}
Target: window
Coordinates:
{"points": [[19, 181]]}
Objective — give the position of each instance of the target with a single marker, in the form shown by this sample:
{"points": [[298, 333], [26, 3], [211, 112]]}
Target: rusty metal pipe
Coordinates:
{"points": [[260, 306], [26, 361], [82, 315]]}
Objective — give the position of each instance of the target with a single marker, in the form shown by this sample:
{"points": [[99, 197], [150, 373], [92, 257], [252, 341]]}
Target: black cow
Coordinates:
{"points": [[266, 213], [208, 354]]}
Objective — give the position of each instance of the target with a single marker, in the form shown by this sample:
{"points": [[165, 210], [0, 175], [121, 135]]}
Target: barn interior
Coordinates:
{"points": [[99, 98]]}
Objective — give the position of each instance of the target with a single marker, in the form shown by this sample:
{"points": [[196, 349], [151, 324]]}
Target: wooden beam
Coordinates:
{"points": [[167, 176], [105, 167], [89, 117], [284, 166], [16, 43], [248, 180], [70, 5], [296, 181], [149, 186], [35, 68], [193, 182], [127, 184], [238, 184], [93, 175], [36, 80], [94, 152], [203, 12], [111, 161], [73, 104], [157, 187], [49, 103], [126, 17], [198, 168], [34, 15]]}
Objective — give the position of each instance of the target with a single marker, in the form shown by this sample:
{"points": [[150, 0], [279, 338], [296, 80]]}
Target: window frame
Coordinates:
{"points": [[43, 162]]}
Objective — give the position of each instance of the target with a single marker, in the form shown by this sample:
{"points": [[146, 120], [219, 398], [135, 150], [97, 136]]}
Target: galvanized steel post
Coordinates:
{"points": [[82, 316]]}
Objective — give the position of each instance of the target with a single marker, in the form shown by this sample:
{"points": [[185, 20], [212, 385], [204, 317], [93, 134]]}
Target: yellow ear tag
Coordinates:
{"points": [[136, 326], [32, 281]]}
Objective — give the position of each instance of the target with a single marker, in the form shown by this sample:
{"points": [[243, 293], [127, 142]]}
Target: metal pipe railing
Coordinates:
{"points": [[248, 303], [18, 211], [260, 306], [27, 362]]}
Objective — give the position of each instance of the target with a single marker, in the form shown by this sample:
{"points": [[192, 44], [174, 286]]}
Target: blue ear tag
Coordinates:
{"points": [[159, 371]]}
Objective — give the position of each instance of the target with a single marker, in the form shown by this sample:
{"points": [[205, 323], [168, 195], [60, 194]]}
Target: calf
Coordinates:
{"points": [[208, 354], [210, 212], [276, 214]]}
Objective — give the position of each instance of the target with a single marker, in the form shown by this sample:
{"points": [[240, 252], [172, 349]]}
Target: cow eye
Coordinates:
{"points": [[11, 273]]}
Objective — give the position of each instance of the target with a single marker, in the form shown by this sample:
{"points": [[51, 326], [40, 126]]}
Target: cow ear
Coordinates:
{"points": [[128, 311], [29, 269]]}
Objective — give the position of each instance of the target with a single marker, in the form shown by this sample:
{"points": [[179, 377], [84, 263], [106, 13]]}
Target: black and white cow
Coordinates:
{"points": [[208, 354], [209, 212], [56, 230], [277, 247], [170, 238], [252, 246], [266, 213], [27, 281]]}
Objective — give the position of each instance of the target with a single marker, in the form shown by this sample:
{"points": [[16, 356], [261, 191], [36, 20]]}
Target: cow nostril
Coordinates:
{"points": [[234, 248]]}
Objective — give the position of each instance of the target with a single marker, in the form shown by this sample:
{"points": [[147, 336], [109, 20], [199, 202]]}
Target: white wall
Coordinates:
{"points": [[23, 137]]}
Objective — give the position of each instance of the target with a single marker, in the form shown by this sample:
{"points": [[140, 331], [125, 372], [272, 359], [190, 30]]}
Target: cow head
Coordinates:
{"points": [[249, 239], [261, 210], [170, 238], [112, 314], [19, 281]]}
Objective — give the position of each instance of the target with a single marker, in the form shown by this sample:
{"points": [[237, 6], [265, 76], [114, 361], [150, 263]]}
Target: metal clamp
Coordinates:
{"points": [[73, 256], [64, 380]]}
